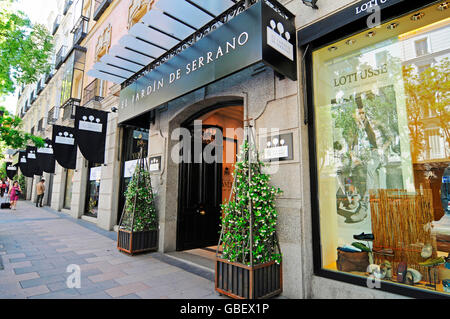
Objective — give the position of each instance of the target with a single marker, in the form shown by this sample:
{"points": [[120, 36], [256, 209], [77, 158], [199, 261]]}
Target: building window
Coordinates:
{"points": [[383, 165], [421, 47]]}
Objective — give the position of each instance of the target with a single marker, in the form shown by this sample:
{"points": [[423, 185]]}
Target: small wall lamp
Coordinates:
{"points": [[311, 3]]}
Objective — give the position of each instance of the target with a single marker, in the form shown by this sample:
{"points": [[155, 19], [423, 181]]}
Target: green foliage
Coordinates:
{"points": [[12, 136], [22, 183], [3, 171], [140, 212], [236, 214], [24, 49]]}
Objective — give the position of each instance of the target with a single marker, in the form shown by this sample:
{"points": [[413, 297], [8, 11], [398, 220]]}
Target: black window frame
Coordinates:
{"points": [[353, 25]]}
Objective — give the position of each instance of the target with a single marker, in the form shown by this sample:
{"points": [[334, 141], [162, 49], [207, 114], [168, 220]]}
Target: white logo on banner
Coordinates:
{"points": [[32, 155], [280, 40], [11, 168], [91, 125], [23, 159], [65, 138], [47, 149]]}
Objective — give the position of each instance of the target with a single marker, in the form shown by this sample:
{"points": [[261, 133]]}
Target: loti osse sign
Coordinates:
{"points": [[262, 33]]}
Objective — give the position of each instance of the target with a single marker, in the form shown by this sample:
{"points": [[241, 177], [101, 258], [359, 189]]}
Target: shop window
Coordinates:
{"points": [[93, 190], [383, 164]]}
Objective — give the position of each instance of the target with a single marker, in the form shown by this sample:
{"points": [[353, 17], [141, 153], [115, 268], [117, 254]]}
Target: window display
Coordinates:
{"points": [[382, 117]]}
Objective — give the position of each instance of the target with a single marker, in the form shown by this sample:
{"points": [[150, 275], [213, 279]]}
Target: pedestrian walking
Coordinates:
{"points": [[40, 191], [14, 192]]}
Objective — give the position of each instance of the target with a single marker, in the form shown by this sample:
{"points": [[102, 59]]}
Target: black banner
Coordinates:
{"points": [[90, 133], [33, 166], [259, 34], [23, 164], [11, 170], [64, 146], [45, 157]]}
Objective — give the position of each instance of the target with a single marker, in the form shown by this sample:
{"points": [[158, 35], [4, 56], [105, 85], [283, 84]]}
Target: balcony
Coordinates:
{"points": [[52, 116], [67, 5], [69, 109], [93, 92], [39, 87], [60, 57], [56, 24], [100, 7], [33, 97], [40, 127], [48, 77], [80, 30]]}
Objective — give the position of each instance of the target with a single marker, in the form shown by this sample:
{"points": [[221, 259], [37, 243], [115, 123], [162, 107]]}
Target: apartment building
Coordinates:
{"points": [[326, 94]]}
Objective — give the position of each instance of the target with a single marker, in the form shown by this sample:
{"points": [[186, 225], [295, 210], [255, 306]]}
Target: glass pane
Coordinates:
{"points": [[382, 109]]}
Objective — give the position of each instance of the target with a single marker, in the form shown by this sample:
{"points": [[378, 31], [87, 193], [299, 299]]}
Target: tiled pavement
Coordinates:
{"points": [[37, 246]]}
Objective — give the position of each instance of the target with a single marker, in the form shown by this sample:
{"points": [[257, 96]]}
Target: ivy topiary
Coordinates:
{"points": [[140, 212], [236, 214]]}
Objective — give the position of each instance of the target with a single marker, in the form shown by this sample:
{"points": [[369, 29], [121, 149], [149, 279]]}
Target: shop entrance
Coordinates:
{"points": [[205, 175]]}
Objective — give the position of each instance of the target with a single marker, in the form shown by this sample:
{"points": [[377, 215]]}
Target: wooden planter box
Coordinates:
{"points": [[137, 242], [244, 282]]}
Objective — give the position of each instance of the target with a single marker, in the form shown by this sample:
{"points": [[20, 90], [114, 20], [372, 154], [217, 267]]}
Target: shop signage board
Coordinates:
{"points": [[64, 146], [155, 164], [32, 163], [278, 148], [129, 168], [90, 133], [262, 33], [45, 157], [23, 164], [361, 9], [11, 170]]}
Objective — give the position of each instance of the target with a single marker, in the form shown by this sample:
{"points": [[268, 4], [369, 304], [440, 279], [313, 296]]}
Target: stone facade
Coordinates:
{"points": [[271, 102]]}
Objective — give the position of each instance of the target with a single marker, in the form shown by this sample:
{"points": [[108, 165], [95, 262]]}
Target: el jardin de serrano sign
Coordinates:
{"points": [[259, 34]]}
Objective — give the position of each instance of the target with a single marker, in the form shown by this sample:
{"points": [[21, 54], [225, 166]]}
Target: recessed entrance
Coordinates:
{"points": [[205, 174]]}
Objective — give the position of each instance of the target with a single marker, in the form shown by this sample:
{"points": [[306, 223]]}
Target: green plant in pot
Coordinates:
{"points": [[138, 228], [248, 239]]}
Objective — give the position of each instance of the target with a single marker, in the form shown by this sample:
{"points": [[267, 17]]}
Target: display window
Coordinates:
{"points": [[382, 127], [93, 190]]}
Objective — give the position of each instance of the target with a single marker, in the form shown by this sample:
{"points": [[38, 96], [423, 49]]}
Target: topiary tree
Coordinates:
{"points": [[249, 219], [139, 212]]}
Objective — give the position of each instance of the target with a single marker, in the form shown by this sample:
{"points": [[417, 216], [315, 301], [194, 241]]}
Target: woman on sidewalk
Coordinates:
{"points": [[14, 193]]}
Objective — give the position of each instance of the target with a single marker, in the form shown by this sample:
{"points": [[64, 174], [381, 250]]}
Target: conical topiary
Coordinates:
{"points": [[139, 212], [249, 219]]}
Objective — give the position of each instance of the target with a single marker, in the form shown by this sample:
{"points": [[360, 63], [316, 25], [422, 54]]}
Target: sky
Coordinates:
{"points": [[37, 11]]}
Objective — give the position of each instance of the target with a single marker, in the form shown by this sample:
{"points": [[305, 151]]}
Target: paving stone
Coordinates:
{"points": [[126, 289], [39, 281], [38, 245], [61, 294], [38, 290]]}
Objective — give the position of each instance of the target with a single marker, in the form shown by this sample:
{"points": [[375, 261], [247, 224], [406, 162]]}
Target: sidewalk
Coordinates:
{"points": [[37, 245]]}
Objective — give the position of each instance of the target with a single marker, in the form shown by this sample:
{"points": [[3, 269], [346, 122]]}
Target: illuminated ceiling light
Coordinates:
{"points": [[351, 42], [418, 16], [311, 3], [333, 48], [371, 34], [392, 26], [443, 6]]}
